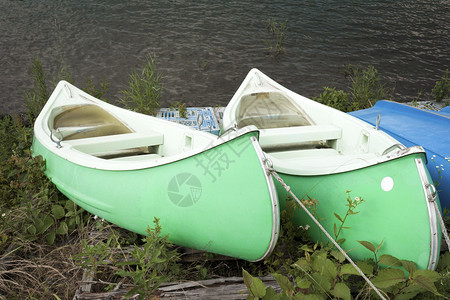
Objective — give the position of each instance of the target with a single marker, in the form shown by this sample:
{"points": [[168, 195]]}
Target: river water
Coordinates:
{"points": [[205, 48]]}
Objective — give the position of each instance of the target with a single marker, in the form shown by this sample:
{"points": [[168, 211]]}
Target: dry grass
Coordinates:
{"points": [[35, 271]]}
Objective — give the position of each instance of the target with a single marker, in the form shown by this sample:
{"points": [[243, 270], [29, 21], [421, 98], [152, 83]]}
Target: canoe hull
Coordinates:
{"points": [[215, 201], [321, 153], [408, 232], [413, 126]]}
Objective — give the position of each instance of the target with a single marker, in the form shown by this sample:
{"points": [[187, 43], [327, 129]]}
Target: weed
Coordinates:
{"points": [[93, 90], [153, 263], [278, 32], [415, 102], [324, 274], [351, 204], [37, 211], [36, 98], [181, 107], [144, 90], [441, 88], [335, 99], [365, 87]]}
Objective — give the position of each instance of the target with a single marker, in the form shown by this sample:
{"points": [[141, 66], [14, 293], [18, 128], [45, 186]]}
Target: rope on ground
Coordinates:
{"points": [[288, 189], [441, 221]]}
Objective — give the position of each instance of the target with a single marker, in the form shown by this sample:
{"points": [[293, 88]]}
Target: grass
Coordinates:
{"points": [[441, 88], [144, 91], [277, 30], [47, 241]]}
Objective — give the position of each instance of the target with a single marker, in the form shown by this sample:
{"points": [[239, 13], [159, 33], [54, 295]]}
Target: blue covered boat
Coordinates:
{"points": [[412, 126]]}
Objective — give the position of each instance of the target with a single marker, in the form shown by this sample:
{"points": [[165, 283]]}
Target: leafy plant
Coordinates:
{"points": [[324, 274], [144, 90], [36, 209], [441, 88], [392, 280], [93, 256], [351, 204], [333, 98], [152, 263], [365, 89], [15, 137]]}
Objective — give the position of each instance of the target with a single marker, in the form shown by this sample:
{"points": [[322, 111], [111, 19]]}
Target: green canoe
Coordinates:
{"points": [[328, 158], [209, 193]]}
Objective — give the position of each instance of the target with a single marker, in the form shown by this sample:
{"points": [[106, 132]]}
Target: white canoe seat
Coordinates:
{"points": [[104, 144], [278, 137]]}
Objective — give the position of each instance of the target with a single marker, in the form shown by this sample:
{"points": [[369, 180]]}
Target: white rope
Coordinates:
{"points": [[288, 189], [441, 221]]}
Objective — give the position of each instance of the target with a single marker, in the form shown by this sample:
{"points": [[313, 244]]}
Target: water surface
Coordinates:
{"points": [[205, 48]]}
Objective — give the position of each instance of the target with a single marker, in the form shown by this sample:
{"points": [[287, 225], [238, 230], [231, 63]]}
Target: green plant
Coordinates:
{"points": [[415, 102], [351, 204], [366, 87], [181, 106], [392, 280], [152, 263], [441, 88], [278, 32], [439, 169], [93, 90], [15, 137], [37, 211], [336, 99], [93, 256], [144, 90], [38, 96], [324, 274]]}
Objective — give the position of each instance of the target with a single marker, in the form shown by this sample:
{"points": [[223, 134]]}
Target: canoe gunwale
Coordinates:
{"points": [[384, 159], [343, 168], [273, 197], [430, 197], [69, 153]]}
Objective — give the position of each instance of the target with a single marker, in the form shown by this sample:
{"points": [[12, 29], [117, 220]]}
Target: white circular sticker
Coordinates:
{"points": [[387, 184]]}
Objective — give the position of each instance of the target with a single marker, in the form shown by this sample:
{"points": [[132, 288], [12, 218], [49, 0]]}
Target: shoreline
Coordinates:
{"points": [[429, 105]]}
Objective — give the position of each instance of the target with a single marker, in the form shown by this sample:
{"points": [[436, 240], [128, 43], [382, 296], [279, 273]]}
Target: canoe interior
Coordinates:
{"points": [[305, 137], [113, 138]]}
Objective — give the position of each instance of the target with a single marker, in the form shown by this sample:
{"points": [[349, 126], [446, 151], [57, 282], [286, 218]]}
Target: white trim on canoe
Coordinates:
{"points": [[430, 196], [273, 197]]}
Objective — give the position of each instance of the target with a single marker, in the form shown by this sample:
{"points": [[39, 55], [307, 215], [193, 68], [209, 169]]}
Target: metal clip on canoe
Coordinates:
{"points": [[377, 126], [57, 142], [431, 194]]}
